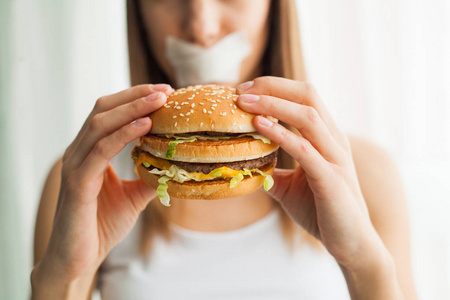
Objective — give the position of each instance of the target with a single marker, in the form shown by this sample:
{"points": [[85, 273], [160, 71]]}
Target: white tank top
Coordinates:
{"points": [[253, 262]]}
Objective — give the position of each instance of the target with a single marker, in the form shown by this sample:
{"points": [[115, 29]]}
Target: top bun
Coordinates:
{"points": [[202, 108]]}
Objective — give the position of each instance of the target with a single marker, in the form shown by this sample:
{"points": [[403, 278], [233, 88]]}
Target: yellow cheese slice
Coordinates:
{"points": [[163, 164]]}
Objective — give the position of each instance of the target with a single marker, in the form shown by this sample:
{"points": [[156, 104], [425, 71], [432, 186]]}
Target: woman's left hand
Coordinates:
{"points": [[322, 194]]}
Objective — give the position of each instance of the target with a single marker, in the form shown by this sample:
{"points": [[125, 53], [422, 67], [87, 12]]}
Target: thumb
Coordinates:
{"points": [[139, 192], [282, 179]]}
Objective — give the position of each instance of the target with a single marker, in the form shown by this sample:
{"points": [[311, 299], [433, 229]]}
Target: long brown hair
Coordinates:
{"points": [[283, 57]]}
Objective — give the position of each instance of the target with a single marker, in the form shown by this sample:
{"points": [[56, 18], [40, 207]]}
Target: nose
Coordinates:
{"points": [[203, 23]]}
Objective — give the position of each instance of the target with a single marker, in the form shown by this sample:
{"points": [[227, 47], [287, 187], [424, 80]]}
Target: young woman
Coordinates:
{"points": [[343, 191]]}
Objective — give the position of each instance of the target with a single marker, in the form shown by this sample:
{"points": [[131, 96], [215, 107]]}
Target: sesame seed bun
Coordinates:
{"points": [[202, 108]]}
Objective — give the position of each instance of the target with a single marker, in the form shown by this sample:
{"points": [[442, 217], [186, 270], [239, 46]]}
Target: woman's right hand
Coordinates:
{"points": [[96, 209]]}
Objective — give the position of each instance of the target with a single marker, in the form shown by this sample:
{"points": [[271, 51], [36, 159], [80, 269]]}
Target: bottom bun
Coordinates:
{"points": [[208, 189]]}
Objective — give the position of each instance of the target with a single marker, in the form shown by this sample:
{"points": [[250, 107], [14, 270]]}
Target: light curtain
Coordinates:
{"points": [[381, 66]]}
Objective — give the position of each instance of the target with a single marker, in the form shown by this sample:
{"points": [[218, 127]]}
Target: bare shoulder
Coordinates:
{"points": [[380, 182], [383, 192], [379, 178]]}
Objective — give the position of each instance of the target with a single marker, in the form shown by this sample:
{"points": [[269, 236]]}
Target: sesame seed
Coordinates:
{"points": [[213, 108], [174, 117], [176, 124], [201, 124], [204, 110], [192, 111], [187, 120], [176, 103], [166, 106], [232, 111], [209, 112], [214, 105], [234, 106], [178, 107], [170, 102], [234, 124], [212, 126], [243, 116], [218, 100], [181, 115], [193, 105], [231, 104], [201, 103], [188, 113]]}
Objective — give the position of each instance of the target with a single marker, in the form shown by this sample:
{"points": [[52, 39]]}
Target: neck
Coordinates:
{"points": [[220, 215]]}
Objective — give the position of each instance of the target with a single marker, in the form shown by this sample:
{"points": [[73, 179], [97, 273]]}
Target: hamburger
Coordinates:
{"points": [[202, 146]]}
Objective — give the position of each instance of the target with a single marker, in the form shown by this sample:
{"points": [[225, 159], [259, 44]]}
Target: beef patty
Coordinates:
{"points": [[236, 165]]}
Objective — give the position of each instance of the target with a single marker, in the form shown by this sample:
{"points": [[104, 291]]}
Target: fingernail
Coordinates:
{"points": [[247, 98], [245, 86], [141, 122], [264, 121], [161, 87], [154, 96]]}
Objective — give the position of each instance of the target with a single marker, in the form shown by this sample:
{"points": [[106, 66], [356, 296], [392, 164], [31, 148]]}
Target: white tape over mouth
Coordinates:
{"points": [[220, 63]]}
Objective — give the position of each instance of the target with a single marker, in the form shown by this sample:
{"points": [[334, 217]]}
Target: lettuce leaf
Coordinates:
{"points": [[236, 180], [172, 144], [268, 180], [217, 173], [174, 173], [247, 172], [161, 191]]}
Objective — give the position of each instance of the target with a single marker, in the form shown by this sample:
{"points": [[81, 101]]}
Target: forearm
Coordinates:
{"points": [[49, 283], [374, 278]]}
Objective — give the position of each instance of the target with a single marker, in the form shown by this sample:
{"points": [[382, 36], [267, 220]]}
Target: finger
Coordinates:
{"points": [[106, 103], [296, 91], [305, 118], [108, 147], [288, 185], [103, 124], [298, 147], [140, 193], [282, 179]]}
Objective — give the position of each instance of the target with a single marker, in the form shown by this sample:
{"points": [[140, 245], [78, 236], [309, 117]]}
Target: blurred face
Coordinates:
{"points": [[204, 23]]}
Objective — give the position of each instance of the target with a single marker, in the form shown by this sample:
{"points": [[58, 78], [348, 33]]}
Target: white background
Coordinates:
{"points": [[382, 67]]}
